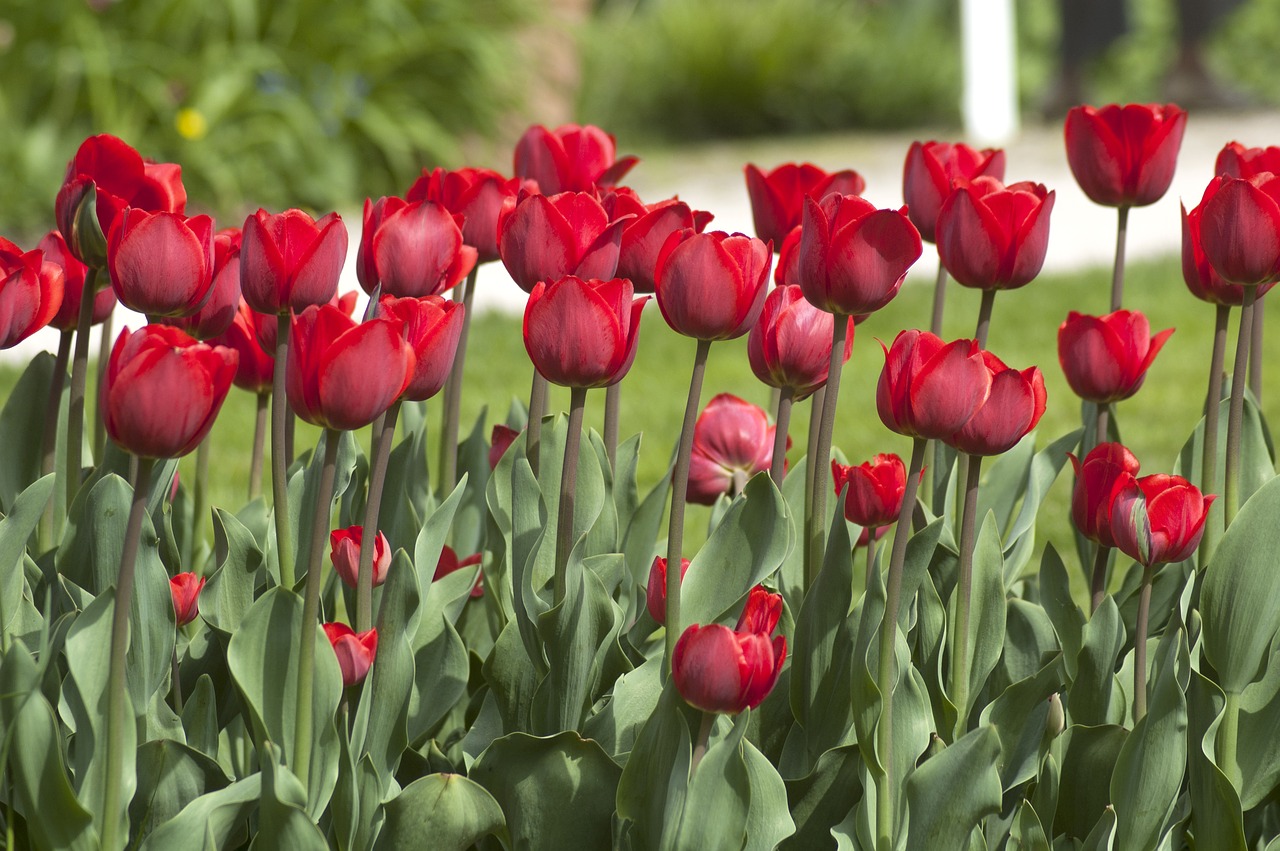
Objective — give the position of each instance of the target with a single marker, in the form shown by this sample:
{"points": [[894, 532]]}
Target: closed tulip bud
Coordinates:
{"points": [[31, 291], [930, 389], [1199, 276], [344, 374], [411, 249], [655, 595], [1096, 479], [355, 651], [1056, 721], [546, 238], [853, 257], [449, 563], [344, 552], [162, 390], [1158, 519], [256, 366], [216, 315], [433, 326], [1011, 410], [1105, 358], [719, 670], [992, 236], [761, 612], [790, 344], [475, 194], [1240, 228], [731, 438], [777, 197], [185, 590], [873, 489], [647, 231], [571, 158], [161, 263], [500, 439], [582, 333], [73, 274], [929, 171], [711, 286], [1124, 156], [290, 261]]}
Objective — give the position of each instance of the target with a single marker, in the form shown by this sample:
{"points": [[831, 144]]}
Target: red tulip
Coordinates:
{"points": [[711, 286], [355, 651], [992, 236], [761, 612], [790, 344], [731, 436], [655, 595], [777, 197], [1158, 519], [216, 315], [1095, 485], [1240, 228], [163, 390], [929, 171], [412, 249], [571, 158], [875, 489], [185, 590], [344, 552], [448, 563], [161, 263], [433, 326], [546, 238], [267, 325], [853, 257], [1011, 410], [257, 366], [343, 374], [1124, 156], [1105, 358], [1200, 277], [31, 291], [500, 439], [719, 670], [928, 388], [1235, 160], [644, 235], [73, 275], [289, 261], [476, 194], [582, 333]]}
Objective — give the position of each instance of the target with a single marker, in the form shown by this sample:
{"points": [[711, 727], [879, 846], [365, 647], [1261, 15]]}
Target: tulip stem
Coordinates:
{"points": [[871, 557], [175, 683], [960, 644], [1117, 272], [384, 429], [612, 403], [279, 464], [984, 317], [1098, 589], [1209, 448], [1140, 646], [568, 486], [704, 739], [75, 402], [885, 791], [782, 425], [1235, 413], [821, 452], [117, 686], [1255, 352], [104, 354], [259, 435], [533, 431], [49, 531], [939, 300], [815, 421], [1102, 423], [679, 486], [311, 608], [1228, 740], [453, 393], [199, 508]]}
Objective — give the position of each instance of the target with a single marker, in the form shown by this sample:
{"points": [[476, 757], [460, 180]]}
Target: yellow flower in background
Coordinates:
{"points": [[191, 124]]}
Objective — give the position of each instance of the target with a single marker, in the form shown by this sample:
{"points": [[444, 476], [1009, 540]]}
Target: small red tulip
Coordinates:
{"points": [[161, 263], [582, 333], [1235, 160], [719, 670], [216, 315], [777, 197], [1095, 485], [500, 439], [992, 236], [646, 233], [449, 563], [355, 651], [185, 590], [761, 612], [411, 249], [1124, 156], [257, 366], [1011, 410], [655, 595], [571, 158], [875, 489], [546, 238], [928, 388], [730, 436], [289, 260], [31, 291], [475, 194], [790, 344], [267, 325], [1105, 358], [1158, 519], [344, 552], [929, 171], [1240, 228], [433, 326], [73, 274], [711, 286]]}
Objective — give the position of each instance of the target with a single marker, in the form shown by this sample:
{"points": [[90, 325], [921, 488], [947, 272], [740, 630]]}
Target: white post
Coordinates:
{"points": [[990, 100]]}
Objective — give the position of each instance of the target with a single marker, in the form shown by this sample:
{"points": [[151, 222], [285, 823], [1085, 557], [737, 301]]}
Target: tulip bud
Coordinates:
{"points": [[161, 263], [355, 651], [790, 344], [656, 593], [433, 327], [647, 231], [1240, 228], [1199, 275], [711, 286], [778, 196], [1105, 358], [582, 333], [1011, 410], [1095, 485], [719, 670], [216, 316], [31, 291], [731, 437], [546, 238], [185, 589], [571, 158], [930, 389], [761, 612], [1158, 519], [448, 563], [475, 194], [73, 275], [289, 261], [344, 551], [1124, 156], [992, 236], [411, 249], [930, 169], [257, 366], [875, 490], [1056, 721]]}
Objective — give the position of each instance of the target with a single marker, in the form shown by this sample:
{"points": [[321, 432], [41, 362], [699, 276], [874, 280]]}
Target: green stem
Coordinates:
{"points": [[821, 452], [1255, 352], [960, 647], [259, 436], [75, 401], [385, 429], [199, 507], [453, 393], [704, 738], [1140, 646], [568, 487], [1209, 449], [48, 461], [1098, 590], [612, 404], [782, 425], [1235, 413], [1117, 272], [175, 684], [1102, 424], [533, 431], [104, 354], [984, 317], [939, 300], [279, 452], [1228, 741], [871, 557], [815, 421]]}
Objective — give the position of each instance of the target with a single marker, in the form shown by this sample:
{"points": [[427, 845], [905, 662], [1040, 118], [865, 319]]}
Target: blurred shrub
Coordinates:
{"points": [[271, 102]]}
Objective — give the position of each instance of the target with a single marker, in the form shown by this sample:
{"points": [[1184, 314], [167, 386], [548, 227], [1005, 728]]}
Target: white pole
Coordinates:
{"points": [[990, 100]]}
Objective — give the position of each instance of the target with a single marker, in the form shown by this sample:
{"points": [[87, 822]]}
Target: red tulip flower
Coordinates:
{"points": [[930, 389], [571, 158], [433, 326], [777, 197], [448, 563], [290, 261], [545, 238], [344, 552], [355, 651], [343, 374], [267, 325], [1235, 160], [790, 344], [992, 236], [185, 589], [1009, 413], [162, 390], [475, 194], [874, 489], [1158, 519], [161, 263], [257, 366], [1096, 479], [719, 670], [1105, 358], [711, 286], [31, 291], [646, 232], [1240, 228], [853, 257], [500, 439], [73, 275], [928, 174], [583, 333], [412, 249], [731, 436], [655, 595], [761, 612], [1200, 277], [1124, 156], [214, 318]]}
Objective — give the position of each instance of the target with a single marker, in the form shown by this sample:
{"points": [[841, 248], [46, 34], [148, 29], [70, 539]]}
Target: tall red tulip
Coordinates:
{"points": [[1240, 228], [929, 388], [717, 669], [731, 437], [290, 261], [185, 589], [161, 263], [875, 489], [1105, 358], [646, 233], [1199, 276], [433, 326], [790, 344], [412, 249], [853, 257], [31, 291], [256, 364], [655, 595], [1124, 156], [344, 552], [1011, 410], [711, 286], [215, 317], [777, 196], [475, 194], [1158, 519], [582, 333], [571, 158], [1095, 485], [73, 275], [992, 236], [545, 238], [355, 651], [928, 174]]}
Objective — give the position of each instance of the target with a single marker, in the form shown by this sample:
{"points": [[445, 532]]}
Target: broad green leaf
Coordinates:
{"points": [[791, 573], [634, 697], [986, 614], [719, 800], [1055, 596], [23, 426], [654, 783], [1027, 833], [1018, 716], [1216, 814], [439, 656], [950, 794], [200, 718], [1004, 480], [16, 528], [820, 800], [1019, 540], [1258, 753], [473, 463], [1092, 697], [511, 679], [229, 591], [769, 819], [170, 776], [640, 539], [1090, 755], [430, 543], [442, 811], [282, 810]]}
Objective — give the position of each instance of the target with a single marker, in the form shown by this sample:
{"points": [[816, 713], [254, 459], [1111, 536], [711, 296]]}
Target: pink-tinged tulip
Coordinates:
{"points": [[928, 174], [344, 552], [257, 366], [992, 236], [475, 194], [731, 438], [647, 231], [73, 275], [761, 612], [719, 670], [790, 344], [163, 390], [874, 489], [1235, 160], [433, 326], [448, 563], [214, 318], [711, 286], [1240, 228], [185, 590], [290, 261], [853, 257], [546, 238], [571, 158], [31, 291], [500, 439], [777, 197], [343, 374], [1200, 277], [655, 596], [412, 249], [1095, 485], [928, 388], [355, 651], [583, 333], [113, 175], [1158, 519], [1124, 156], [1105, 358], [1011, 410], [161, 263]]}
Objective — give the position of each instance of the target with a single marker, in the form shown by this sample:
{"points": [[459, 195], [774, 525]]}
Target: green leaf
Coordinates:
{"points": [[769, 819], [986, 614], [282, 810], [1018, 716], [719, 799], [1027, 834], [442, 811], [228, 593], [1258, 751], [170, 776], [200, 718], [639, 541], [23, 426], [15, 529], [1216, 814], [430, 543], [439, 656], [654, 783], [1060, 606], [634, 697], [473, 463], [1090, 754], [1019, 541], [821, 800], [1092, 698], [950, 794]]}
